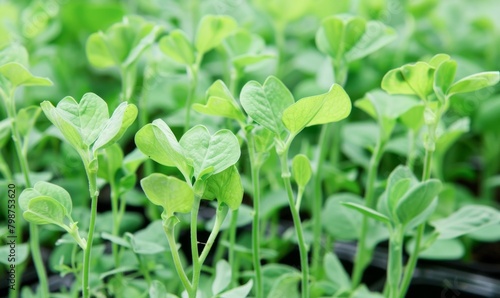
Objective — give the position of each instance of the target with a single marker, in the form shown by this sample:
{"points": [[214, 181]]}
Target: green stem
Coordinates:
{"points": [[232, 244], [169, 231], [395, 262], [193, 75], [219, 218], [194, 246], [279, 31], [411, 149], [116, 222], [318, 199], [285, 174], [255, 173], [23, 162], [412, 262], [94, 193], [363, 253]]}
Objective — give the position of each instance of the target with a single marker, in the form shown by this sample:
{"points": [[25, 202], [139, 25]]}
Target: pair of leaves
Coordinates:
{"points": [[220, 102], [46, 203], [197, 153], [88, 122], [438, 76], [122, 44], [245, 48], [272, 106], [351, 38], [211, 32]]}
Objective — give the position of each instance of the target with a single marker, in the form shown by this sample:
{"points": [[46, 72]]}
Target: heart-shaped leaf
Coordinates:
{"points": [[177, 46], [212, 30], [210, 152], [266, 103], [158, 142], [115, 127], [45, 210], [172, 194], [226, 187], [46, 189], [220, 103], [332, 106], [18, 75], [415, 79]]}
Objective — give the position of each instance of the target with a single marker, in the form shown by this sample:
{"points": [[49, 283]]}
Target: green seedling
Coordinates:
{"points": [[14, 74], [273, 106], [87, 127], [434, 84], [206, 159], [212, 30]]}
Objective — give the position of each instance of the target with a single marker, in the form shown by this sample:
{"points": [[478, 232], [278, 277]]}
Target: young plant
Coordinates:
{"points": [[87, 127], [206, 159], [212, 30], [14, 74], [121, 46], [273, 106], [434, 84], [343, 39]]}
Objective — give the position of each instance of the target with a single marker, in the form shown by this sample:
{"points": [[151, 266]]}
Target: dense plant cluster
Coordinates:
{"points": [[222, 148]]}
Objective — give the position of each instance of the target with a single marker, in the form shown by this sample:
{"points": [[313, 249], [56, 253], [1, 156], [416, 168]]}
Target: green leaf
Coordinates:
{"points": [[332, 106], [368, 212], [396, 192], [45, 210], [226, 187], [301, 170], [286, 286], [444, 77], [335, 272], [376, 35], [143, 247], [417, 199], [378, 104], [110, 161], [177, 46], [26, 119], [219, 151], [414, 117], [475, 82], [466, 220], [122, 43], [222, 277], [220, 103], [4, 131], [451, 135], [295, 9], [212, 30], [347, 222], [265, 103], [22, 253], [68, 129], [441, 249], [238, 292], [115, 127], [18, 75], [133, 160], [46, 189], [172, 194], [158, 142], [415, 79], [264, 139]]}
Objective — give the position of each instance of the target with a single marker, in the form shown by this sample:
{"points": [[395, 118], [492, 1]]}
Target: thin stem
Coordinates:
{"points": [[255, 173], [116, 221], [23, 162], [363, 253], [318, 199], [280, 40], [194, 246], [395, 262], [412, 262], [232, 244], [177, 260], [411, 149], [219, 218], [94, 193], [193, 75], [285, 174]]}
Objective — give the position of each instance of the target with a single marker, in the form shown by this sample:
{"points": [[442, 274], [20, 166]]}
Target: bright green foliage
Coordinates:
{"points": [[220, 102], [158, 142], [441, 249], [415, 79], [467, 219], [285, 286], [347, 221], [266, 103], [332, 106], [45, 210], [212, 30], [88, 122], [416, 200], [210, 154], [336, 273], [368, 212], [301, 170], [275, 8], [172, 194], [122, 44], [351, 38], [17, 75], [222, 277], [245, 48], [474, 82], [45, 189], [4, 131], [26, 119], [226, 187], [177, 46], [110, 161]]}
